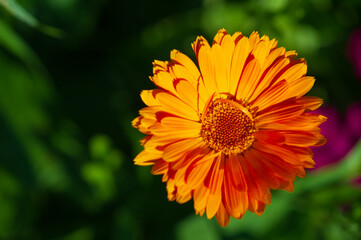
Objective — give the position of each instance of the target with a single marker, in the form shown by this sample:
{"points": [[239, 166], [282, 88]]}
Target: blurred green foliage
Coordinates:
{"points": [[70, 77]]}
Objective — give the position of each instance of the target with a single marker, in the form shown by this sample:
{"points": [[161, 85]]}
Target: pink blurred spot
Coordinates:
{"points": [[354, 50], [353, 118], [357, 182], [341, 132]]}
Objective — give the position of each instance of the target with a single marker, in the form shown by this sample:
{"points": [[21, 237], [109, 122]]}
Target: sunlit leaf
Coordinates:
{"points": [[20, 13]]}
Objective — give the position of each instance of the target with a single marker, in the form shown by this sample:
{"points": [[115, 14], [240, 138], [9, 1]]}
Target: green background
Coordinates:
{"points": [[70, 76]]}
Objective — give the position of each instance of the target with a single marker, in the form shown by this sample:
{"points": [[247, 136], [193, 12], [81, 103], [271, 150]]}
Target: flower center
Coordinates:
{"points": [[227, 126]]}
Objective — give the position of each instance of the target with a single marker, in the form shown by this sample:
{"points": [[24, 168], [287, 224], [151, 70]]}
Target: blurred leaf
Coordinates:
{"points": [[231, 16], [24, 94], [259, 225], [283, 202], [103, 151], [273, 6], [102, 181], [196, 228], [20, 13], [126, 225], [101, 171], [322, 5], [65, 140], [9, 191], [80, 234], [168, 28], [22, 109], [12, 42], [99, 146], [307, 39], [343, 172]]}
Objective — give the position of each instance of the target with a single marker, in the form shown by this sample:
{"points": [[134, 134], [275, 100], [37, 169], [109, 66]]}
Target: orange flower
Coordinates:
{"points": [[228, 132]]}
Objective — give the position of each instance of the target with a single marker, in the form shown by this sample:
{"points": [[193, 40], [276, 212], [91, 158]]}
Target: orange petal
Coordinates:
{"points": [[254, 186], [206, 65], [214, 200], [176, 106], [220, 68], [183, 194], [198, 170], [218, 38], [294, 72], [253, 39], [283, 153], [175, 151], [190, 95], [200, 198], [271, 76], [265, 174], [223, 216], [291, 54], [163, 79], [249, 80], [305, 155], [261, 51], [236, 202], [183, 164], [300, 87], [150, 112], [180, 72], [160, 167], [257, 207], [280, 112], [272, 96], [187, 93], [228, 46], [215, 176], [303, 139], [240, 55], [171, 189], [275, 165], [310, 103], [235, 173], [160, 65], [179, 124], [236, 37], [148, 97], [173, 128], [187, 63], [269, 136], [273, 64], [191, 156], [147, 157], [143, 124], [305, 122], [277, 53], [295, 89]]}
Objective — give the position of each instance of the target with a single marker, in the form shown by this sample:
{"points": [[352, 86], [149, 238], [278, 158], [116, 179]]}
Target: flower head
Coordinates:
{"points": [[227, 132]]}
